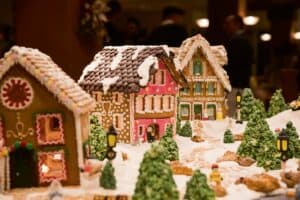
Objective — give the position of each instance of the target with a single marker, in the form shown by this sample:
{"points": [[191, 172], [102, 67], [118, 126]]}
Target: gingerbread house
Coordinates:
{"points": [[43, 118], [135, 88], [208, 82]]}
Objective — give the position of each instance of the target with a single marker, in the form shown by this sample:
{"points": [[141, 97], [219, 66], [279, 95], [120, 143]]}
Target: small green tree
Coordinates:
{"points": [[169, 145], [259, 143], [97, 139], [186, 130], [228, 137], [247, 104], [197, 188], [294, 142], [107, 178], [277, 104], [155, 180]]}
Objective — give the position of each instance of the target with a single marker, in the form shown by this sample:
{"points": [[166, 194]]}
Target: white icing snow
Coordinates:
{"points": [[117, 59], [177, 64], [195, 155], [107, 82], [144, 69], [91, 67]]}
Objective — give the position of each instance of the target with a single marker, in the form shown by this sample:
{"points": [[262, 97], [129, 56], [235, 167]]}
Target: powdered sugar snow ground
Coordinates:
{"points": [[197, 156]]}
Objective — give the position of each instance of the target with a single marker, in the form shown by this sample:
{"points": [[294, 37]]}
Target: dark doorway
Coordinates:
{"points": [[152, 132], [23, 171]]}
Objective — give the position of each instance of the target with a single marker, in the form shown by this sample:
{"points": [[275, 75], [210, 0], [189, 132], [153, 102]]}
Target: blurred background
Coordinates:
{"points": [[72, 31]]}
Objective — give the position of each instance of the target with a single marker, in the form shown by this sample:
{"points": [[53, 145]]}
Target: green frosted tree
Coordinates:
{"points": [[155, 180], [228, 137], [107, 178], [259, 105], [277, 104], [97, 139], [259, 143], [169, 145], [197, 188], [294, 142], [247, 104], [186, 130]]}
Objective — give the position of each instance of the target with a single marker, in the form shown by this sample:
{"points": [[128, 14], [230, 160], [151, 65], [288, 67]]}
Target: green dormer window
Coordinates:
{"points": [[197, 67]]}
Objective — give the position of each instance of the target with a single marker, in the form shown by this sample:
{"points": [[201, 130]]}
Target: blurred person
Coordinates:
{"points": [[133, 33], [171, 30], [5, 39], [114, 35], [240, 58]]}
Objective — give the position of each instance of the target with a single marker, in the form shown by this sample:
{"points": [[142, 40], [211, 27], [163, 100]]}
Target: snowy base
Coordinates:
{"points": [[197, 156]]}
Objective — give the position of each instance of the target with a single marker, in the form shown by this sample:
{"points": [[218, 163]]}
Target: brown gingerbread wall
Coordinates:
{"points": [[43, 102], [106, 107]]}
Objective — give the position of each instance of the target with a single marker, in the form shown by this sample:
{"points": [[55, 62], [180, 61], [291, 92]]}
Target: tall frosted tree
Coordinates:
{"points": [[277, 104], [155, 180], [247, 104], [169, 145], [97, 139], [259, 143], [259, 105], [294, 142], [197, 188]]}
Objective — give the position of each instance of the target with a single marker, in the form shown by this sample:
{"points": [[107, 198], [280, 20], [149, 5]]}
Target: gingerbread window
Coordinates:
{"points": [[51, 166], [118, 121], [49, 129], [117, 98]]}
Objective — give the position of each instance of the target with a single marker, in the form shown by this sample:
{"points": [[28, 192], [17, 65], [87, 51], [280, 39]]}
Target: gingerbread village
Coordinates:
{"points": [[142, 122]]}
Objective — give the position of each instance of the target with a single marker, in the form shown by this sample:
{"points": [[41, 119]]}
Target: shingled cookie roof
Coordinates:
{"points": [[50, 75], [122, 68]]}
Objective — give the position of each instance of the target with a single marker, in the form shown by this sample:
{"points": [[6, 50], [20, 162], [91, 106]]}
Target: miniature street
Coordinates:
{"points": [[194, 155]]}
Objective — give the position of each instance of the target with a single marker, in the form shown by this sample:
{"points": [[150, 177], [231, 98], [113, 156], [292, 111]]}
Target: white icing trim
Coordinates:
{"points": [[198, 42], [107, 82], [131, 117], [91, 67], [50, 75], [43, 179], [38, 129], [79, 144], [144, 69], [118, 58]]}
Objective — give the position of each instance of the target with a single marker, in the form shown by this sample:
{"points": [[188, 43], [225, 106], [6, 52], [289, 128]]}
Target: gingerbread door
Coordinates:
{"points": [[23, 171]]}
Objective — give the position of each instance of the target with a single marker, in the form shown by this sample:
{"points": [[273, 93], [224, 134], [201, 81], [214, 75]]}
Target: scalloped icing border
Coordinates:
{"points": [[38, 129], [43, 179]]}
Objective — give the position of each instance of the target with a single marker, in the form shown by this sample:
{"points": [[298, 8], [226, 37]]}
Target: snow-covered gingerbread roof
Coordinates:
{"points": [[50, 75], [215, 55], [122, 68]]}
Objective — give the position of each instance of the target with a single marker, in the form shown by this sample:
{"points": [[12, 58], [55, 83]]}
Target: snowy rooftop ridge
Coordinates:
{"points": [[215, 55], [132, 64], [49, 74]]}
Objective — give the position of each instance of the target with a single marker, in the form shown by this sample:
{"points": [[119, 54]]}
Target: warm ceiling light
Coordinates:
{"points": [[250, 20], [265, 37], [203, 22], [297, 35]]}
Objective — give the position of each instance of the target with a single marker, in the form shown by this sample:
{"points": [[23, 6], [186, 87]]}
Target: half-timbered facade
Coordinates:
{"points": [[208, 81]]}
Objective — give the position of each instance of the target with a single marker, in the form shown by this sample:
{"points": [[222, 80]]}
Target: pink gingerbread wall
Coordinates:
{"points": [[169, 88]]}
